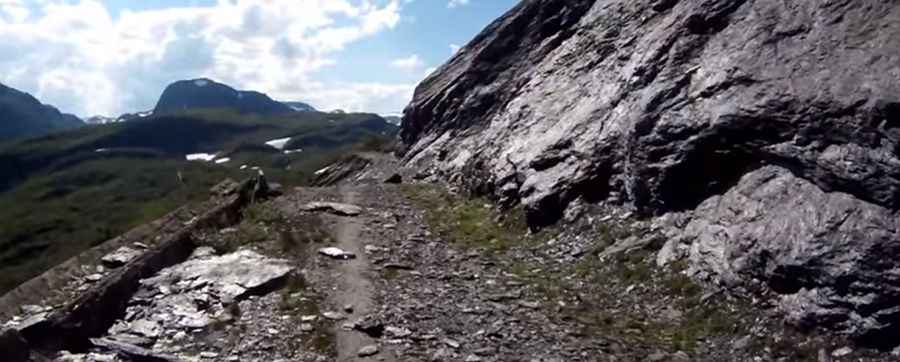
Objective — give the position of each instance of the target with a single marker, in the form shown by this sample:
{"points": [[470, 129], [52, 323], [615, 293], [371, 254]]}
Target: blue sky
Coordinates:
{"points": [[93, 57]]}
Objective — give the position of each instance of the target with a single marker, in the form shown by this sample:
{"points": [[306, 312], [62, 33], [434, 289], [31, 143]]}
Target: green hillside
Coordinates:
{"points": [[75, 189]]}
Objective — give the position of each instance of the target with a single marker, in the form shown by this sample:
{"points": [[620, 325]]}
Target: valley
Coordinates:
{"points": [[582, 180]]}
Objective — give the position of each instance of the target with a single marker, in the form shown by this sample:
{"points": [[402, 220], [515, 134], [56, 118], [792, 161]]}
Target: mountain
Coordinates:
{"points": [[22, 115], [300, 106], [204, 93], [761, 136]]}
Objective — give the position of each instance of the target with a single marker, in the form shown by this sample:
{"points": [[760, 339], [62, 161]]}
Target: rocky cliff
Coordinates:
{"points": [[767, 130]]}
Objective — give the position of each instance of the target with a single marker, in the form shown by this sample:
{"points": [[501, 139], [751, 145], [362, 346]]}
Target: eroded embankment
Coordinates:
{"points": [[80, 298]]}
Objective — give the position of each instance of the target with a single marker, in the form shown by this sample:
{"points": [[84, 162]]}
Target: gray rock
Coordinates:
{"points": [[120, 257], [333, 208], [814, 248], [367, 351], [842, 352], [336, 253], [132, 352], [671, 106]]}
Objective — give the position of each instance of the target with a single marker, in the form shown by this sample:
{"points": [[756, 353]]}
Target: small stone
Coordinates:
{"points": [[451, 343], [743, 342], [336, 253], [473, 358], [120, 257], [348, 308], [398, 332], [309, 318], [529, 304], [841, 352], [94, 278], [335, 316], [209, 355], [681, 356], [367, 351], [306, 327]]}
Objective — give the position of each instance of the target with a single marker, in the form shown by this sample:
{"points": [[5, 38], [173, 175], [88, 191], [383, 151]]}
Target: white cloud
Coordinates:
{"points": [[454, 48], [77, 56], [457, 3], [13, 11], [410, 63]]}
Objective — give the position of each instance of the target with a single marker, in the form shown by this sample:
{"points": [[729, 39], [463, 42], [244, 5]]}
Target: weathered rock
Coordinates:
{"points": [[663, 105], [120, 257], [822, 252], [367, 351], [340, 170], [132, 352], [336, 253], [370, 325], [333, 208]]}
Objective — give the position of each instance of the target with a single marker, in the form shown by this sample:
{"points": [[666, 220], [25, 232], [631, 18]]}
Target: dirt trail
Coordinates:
{"points": [[354, 287]]}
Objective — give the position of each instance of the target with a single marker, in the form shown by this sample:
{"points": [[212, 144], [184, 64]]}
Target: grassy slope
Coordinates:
{"points": [[61, 197]]}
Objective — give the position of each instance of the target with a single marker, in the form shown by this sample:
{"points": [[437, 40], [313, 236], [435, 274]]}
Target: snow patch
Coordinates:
{"points": [[222, 160], [324, 170], [279, 143], [288, 152], [101, 150], [201, 82], [205, 157]]}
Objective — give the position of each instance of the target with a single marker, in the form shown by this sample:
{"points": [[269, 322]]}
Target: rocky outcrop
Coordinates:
{"points": [[97, 300], [776, 121]]}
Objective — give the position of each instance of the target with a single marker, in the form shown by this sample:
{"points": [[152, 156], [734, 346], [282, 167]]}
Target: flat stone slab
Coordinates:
{"points": [[335, 208], [337, 253], [120, 257], [198, 293]]}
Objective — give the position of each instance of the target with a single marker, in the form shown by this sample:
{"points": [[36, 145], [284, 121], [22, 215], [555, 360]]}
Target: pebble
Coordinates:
{"points": [[841, 352], [369, 350]]}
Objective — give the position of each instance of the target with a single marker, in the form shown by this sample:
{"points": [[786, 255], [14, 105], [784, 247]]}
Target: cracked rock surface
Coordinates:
{"points": [[776, 121]]}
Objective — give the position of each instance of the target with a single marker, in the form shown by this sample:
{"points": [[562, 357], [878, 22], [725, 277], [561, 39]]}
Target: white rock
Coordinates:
{"points": [[336, 253]]}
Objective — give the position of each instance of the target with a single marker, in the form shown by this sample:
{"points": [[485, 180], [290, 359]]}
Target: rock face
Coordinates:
{"points": [[205, 93], [778, 122]]}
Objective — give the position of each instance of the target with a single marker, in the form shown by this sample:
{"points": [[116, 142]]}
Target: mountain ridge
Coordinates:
{"points": [[23, 115]]}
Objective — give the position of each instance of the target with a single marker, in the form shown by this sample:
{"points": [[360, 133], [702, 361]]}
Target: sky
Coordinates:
{"points": [[91, 57]]}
